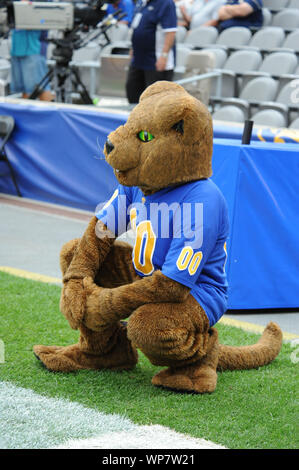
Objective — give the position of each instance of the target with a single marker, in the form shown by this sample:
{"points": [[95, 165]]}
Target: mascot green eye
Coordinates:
{"points": [[145, 136]]}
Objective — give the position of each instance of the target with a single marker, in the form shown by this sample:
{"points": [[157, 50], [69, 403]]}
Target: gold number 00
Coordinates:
{"points": [[145, 236], [189, 260]]}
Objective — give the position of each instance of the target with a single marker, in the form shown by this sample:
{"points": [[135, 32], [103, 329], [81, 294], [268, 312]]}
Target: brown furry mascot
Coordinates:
{"points": [[172, 285]]}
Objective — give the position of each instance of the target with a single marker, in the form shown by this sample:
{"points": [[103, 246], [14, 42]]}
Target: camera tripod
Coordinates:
{"points": [[64, 77]]}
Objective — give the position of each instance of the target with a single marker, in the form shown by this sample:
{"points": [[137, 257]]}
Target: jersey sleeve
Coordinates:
{"points": [[114, 214], [196, 231], [168, 18], [255, 4]]}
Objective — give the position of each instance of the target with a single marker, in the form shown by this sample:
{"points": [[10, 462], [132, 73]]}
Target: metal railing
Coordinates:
{"points": [[197, 78]]}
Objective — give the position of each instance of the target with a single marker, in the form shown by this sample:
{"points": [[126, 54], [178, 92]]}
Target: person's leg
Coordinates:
{"points": [[135, 84], [46, 94], [152, 76], [177, 335], [101, 345], [33, 71], [16, 81]]}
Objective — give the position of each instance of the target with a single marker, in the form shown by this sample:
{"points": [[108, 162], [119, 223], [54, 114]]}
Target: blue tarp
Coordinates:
{"points": [[57, 156], [260, 183]]}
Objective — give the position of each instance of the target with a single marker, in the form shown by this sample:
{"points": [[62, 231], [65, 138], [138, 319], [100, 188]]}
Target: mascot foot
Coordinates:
{"points": [[200, 377], [71, 358], [121, 356], [60, 359], [195, 379]]}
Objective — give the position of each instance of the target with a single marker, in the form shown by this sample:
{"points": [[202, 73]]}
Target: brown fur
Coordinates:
{"points": [[178, 158], [101, 286]]}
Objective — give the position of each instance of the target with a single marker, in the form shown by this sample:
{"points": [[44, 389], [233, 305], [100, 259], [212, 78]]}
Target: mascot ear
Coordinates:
{"points": [[179, 126], [162, 86]]}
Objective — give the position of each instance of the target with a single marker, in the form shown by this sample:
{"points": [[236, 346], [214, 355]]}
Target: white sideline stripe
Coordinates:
{"points": [[142, 437], [32, 421]]}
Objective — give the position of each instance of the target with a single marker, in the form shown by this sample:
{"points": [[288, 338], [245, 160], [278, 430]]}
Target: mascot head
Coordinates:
{"points": [[166, 141]]}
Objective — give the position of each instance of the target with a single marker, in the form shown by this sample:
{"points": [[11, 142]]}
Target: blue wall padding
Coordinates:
{"points": [[57, 155]]}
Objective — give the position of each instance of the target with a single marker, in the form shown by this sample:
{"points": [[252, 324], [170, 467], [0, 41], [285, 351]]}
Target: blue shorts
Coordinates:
{"points": [[27, 72]]}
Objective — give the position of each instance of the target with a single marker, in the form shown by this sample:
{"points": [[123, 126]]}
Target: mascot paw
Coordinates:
{"points": [[93, 318], [72, 302], [90, 286], [192, 379]]}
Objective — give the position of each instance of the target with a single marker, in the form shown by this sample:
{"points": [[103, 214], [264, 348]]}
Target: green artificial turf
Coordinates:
{"points": [[249, 409]]}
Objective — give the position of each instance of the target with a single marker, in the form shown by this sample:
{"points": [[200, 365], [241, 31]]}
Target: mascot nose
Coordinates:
{"points": [[109, 146]]}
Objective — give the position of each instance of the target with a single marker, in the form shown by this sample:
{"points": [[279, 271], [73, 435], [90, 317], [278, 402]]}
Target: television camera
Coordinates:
{"points": [[80, 23]]}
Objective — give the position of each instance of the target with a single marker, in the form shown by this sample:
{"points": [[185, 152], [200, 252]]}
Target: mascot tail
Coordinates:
{"points": [[256, 355]]}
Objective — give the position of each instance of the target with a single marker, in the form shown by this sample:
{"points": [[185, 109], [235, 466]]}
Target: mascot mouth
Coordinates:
{"points": [[119, 172], [121, 175]]}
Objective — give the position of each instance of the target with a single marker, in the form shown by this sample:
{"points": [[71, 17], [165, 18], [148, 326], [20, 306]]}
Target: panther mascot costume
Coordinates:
{"points": [[171, 286]]}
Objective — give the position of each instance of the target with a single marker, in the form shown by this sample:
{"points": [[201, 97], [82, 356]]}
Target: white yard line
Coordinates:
{"points": [[32, 421], [142, 437]]}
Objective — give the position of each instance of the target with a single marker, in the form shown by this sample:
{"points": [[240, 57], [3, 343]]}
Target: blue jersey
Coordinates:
{"points": [[181, 231], [254, 19], [152, 19]]}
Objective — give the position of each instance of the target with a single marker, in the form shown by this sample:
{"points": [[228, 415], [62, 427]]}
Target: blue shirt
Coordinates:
{"points": [[181, 231], [254, 19], [151, 20], [25, 42], [126, 6]]}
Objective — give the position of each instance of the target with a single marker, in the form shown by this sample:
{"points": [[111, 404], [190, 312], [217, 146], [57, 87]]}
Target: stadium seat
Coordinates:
{"points": [[291, 41], [229, 113], [269, 117], [7, 125], [293, 4], [220, 55], [275, 64], [287, 101], [257, 90], [182, 52], [90, 52], [278, 63], [267, 17], [118, 32], [202, 36], [267, 38], [180, 34], [294, 124], [87, 59], [289, 94], [234, 37], [287, 18], [238, 63], [275, 5]]}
